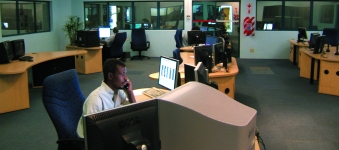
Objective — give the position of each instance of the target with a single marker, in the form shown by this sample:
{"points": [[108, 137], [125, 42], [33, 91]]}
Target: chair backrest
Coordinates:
{"points": [[178, 38], [138, 38], [116, 48], [63, 100], [176, 55]]}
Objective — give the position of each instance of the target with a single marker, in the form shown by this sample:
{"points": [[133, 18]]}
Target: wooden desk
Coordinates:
{"points": [[14, 93], [295, 48], [91, 62], [327, 71], [225, 80]]}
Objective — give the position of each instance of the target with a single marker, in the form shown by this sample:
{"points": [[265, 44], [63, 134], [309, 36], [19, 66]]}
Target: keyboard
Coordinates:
{"points": [[25, 58], [153, 92]]}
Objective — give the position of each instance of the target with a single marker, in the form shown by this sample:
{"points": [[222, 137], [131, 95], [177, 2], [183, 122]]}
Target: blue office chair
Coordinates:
{"points": [[332, 37], [63, 101], [176, 55], [139, 42], [178, 38], [116, 50]]}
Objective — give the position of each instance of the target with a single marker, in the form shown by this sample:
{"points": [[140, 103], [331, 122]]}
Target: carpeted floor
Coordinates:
{"points": [[291, 114]]}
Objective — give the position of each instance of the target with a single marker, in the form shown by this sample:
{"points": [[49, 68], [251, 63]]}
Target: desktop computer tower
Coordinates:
{"points": [[6, 52], [88, 38]]}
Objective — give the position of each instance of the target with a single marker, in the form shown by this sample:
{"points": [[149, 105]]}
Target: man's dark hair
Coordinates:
{"points": [[196, 28], [111, 65], [115, 30]]}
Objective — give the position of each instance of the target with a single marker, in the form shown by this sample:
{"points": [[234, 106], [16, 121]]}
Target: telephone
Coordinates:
{"points": [[126, 86]]}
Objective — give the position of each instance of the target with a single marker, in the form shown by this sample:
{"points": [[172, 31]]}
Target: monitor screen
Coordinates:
{"points": [[195, 38], [18, 47], [168, 72], [332, 36], [203, 54], [137, 25], [319, 44], [104, 32], [220, 55], [210, 40], [129, 127], [189, 73], [302, 35], [313, 38], [201, 74], [203, 28], [268, 26]]}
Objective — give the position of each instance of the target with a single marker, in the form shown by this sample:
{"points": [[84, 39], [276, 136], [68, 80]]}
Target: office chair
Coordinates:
{"points": [[176, 55], [139, 42], [63, 101], [116, 51], [178, 38], [332, 37]]}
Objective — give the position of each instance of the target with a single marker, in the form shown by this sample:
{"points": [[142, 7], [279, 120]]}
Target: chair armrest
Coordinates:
{"points": [[148, 44]]}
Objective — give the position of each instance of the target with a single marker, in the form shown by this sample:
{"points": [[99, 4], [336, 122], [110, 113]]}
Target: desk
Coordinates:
{"points": [[14, 93], [295, 48], [91, 62], [327, 72], [225, 80]]}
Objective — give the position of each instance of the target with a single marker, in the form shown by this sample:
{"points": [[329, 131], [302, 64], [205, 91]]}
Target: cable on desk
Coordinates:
{"points": [[260, 140]]}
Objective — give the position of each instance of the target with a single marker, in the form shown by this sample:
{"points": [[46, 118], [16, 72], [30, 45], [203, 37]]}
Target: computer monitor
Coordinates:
{"points": [[201, 74], [195, 38], [203, 54], [313, 38], [104, 32], [6, 52], [220, 55], [302, 35], [210, 40], [203, 28], [18, 47], [268, 26], [332, 37], [168, 72], [88, 38], [319, 44], [129, 127], [137, 25], [189, 73]]}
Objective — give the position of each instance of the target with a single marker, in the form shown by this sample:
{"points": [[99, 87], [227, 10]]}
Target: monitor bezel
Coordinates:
{"points": [[319, 44], [198, 53], [189, 72], [302, 32], [200, 69], [216, 55], [176, 76], [201, 38]]}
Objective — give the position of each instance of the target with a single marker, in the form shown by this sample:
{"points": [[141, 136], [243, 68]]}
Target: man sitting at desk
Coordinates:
{"points": [[185, 38], [115, 90], [107, 44]]}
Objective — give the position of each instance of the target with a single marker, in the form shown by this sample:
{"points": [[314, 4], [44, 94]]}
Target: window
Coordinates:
{"points": [[23, 17], [150, 15], [289, 15]]}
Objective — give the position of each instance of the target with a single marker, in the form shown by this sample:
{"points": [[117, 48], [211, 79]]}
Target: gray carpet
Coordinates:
{"points": [[291, 114]]}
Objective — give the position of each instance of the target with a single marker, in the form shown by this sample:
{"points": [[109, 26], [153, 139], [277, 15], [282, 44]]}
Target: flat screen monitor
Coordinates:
{"points": [[130, 127], [137, 25], [168, 72], [268, 26], [302, 35], [313, 38], [201, 74], [319, 44], [189, 73], [203, 54], [6, 52], [88, 38], [210, 40], [195, 37], [203, 28], [220, 55], [18, 47], [104, 32]]}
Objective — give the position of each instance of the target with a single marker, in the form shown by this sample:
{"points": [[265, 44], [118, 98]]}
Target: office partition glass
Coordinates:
{"points": [[269, 12], [26, 19], [171, 15], [325, 15], [42, 16], [297, 14], [142, 14], [8, 18], [95, 14], [120, 15]]}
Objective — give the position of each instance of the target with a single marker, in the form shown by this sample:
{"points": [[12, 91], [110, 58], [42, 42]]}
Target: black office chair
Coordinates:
{"points": [[116, 49], [176, 55], [63, 101], [178, 38], [139, 43]]}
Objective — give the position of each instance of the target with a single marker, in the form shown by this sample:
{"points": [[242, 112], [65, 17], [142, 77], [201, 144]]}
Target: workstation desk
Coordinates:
{"points": [[324, 68], [225, 80], [88, 63], [295, 49], [14, 94]]}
